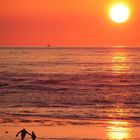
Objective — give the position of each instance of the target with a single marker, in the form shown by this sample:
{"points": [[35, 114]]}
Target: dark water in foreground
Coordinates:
{"points": [[77, 84]]}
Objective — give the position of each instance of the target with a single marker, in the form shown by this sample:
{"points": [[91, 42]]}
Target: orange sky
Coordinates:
{"points": [[66, 23]]}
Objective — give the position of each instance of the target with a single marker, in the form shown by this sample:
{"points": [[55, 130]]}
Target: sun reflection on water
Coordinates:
{"points": [[119, 60], [118, 130]]}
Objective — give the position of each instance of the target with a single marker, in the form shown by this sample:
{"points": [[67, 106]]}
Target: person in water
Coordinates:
{"points": [[33, 135], [23, 133]]}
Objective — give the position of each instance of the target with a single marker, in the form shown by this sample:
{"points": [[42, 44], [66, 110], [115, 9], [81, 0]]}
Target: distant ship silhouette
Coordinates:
{"points": [[48, 45]]}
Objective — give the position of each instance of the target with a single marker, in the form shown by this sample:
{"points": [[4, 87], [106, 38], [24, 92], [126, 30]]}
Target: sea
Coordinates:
{"points": [[40, 84]]}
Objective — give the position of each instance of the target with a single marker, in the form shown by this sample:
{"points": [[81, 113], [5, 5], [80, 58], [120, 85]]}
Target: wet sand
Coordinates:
{"points": [[98, 130]]}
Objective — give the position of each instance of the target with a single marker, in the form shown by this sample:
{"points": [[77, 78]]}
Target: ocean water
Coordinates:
{"points": [[83, 84]]}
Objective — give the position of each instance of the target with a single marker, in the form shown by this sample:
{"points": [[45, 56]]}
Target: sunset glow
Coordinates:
{"points": [[69, 69], [69, 23]]}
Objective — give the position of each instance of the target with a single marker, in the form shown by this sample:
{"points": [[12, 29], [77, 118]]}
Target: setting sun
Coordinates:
{"points": [[119, 13]]}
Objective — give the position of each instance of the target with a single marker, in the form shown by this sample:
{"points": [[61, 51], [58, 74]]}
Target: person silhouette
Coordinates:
{"points": [[33, 135], [23, 133]]}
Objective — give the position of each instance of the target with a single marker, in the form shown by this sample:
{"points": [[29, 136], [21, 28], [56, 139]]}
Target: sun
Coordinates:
{"points": [[119, 13]]}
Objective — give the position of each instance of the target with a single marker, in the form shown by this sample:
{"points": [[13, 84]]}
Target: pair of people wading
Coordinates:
{"points": [[23, 133]]}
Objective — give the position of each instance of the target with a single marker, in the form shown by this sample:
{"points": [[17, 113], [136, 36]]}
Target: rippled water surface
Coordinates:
{"points": [[82, 84]]}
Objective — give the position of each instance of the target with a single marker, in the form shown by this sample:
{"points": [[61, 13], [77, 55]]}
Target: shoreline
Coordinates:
{"points": [[110, 130]]}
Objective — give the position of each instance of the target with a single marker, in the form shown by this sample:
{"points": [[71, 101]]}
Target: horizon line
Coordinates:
{"points": [[96, 46]]}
